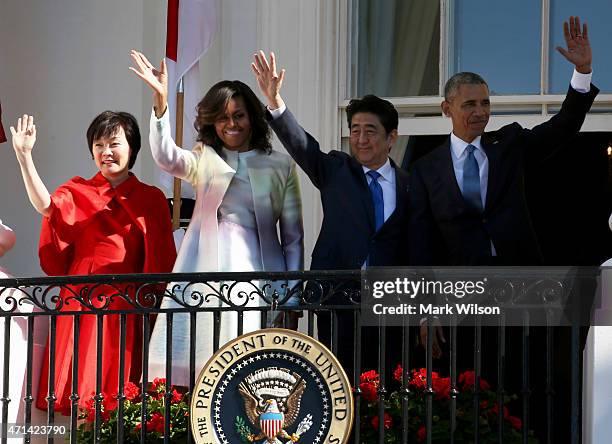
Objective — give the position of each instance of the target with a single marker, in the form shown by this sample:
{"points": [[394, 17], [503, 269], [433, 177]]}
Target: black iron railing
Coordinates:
{"points": [[331, 295]]}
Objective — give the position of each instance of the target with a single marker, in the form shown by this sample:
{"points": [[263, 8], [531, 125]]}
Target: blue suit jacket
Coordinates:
{"points": [[347, 235]]}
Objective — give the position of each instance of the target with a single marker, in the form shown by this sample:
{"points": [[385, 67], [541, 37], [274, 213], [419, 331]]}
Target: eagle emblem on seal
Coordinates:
{"points": [[272, 398]]}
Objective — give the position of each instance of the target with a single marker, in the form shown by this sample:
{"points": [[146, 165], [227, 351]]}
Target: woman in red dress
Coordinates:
{"points": [[109, 224]]}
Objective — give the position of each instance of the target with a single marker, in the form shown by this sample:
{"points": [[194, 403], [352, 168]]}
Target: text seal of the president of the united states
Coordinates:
{"points": [[272, 386]]}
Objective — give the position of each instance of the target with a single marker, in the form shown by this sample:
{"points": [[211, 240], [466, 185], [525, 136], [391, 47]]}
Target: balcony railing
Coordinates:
{"points": [[331, 295]]}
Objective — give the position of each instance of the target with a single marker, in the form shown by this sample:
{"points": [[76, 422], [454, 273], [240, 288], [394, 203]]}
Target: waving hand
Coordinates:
{"points": [[157, 79], [24, 136], [578, 50], [269, 81]]}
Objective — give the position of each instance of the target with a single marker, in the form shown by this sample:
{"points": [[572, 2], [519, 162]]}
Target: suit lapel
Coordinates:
{"points": [[494, 179], [447, 172]]}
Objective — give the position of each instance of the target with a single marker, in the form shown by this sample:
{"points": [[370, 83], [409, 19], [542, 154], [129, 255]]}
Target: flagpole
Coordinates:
{"points": [[176, 198]]}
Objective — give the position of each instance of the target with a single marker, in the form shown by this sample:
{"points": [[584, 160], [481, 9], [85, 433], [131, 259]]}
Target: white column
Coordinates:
{"points": [[597, 388]]}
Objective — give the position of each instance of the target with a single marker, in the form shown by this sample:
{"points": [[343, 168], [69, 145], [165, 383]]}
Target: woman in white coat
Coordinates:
{"points": [[244, 190]]}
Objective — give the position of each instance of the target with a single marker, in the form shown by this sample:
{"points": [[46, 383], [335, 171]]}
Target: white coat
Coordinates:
{"points": [[276, 199]]}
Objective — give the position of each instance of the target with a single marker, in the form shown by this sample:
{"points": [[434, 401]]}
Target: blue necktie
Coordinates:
{"points": [[471, 180], [377, 198]]}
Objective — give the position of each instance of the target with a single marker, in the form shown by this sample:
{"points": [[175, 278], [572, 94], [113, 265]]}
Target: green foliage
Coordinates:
{"points": [[132, 425], [242, 429]]}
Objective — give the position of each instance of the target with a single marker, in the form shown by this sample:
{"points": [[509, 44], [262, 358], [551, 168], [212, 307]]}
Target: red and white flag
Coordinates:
{"points": [[2, 135], [191, 27]]}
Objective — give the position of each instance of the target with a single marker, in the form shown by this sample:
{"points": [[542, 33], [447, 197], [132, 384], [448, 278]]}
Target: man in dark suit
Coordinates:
{"points": [[468, 204], [467, 196], [364, 195]]}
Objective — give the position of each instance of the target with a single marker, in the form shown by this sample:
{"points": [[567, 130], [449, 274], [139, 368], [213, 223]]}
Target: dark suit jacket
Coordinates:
{"points": [[347, 234], [443, 229]]}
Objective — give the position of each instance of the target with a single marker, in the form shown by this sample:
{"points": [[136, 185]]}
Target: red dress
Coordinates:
{"points": [[96, 229]]}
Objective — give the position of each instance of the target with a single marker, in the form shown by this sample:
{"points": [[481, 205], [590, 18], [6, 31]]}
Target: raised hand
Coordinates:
{"points": [[578, 50], [157, 79], [24, 137], [269, 81]]}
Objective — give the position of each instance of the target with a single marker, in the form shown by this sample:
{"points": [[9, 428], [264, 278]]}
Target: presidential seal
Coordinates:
{"points": [[272, 386]]}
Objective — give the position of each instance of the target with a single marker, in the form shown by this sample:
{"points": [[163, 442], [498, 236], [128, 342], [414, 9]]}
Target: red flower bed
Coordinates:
{"points": [[156, 408], [488, 413]]}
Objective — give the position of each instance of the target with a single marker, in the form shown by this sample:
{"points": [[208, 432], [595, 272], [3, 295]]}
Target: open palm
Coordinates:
{"points": [[268, 79], [24, 134], [157, 79], [578, 50]]}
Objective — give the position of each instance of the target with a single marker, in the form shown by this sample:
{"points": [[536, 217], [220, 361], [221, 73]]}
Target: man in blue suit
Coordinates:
{"points": [[364, 195]]}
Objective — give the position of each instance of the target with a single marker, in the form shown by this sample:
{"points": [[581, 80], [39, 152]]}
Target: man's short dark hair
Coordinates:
{"points": [[461, 78], [381, 108], [107, 124]]}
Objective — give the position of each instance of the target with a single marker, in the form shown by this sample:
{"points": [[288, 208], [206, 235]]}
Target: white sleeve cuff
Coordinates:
{"points": [[163, 120], [581, 82], [276, 113]]}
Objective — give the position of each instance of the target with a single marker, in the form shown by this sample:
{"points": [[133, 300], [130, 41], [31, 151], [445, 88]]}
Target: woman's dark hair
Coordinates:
{"points": [[213, 106], [107, 124]]}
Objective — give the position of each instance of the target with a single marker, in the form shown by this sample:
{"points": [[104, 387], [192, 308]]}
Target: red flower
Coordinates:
{"points": [[369, 382], [369, 391], [398, 373], [423, 373], [421, 434], [388, 421], [176, 397], [419, 378], [370, 376], [442, 388], [91, 415], [468, 378], [131, 391], [156, 424], [138, 427], [159, 384], [109, 403], [90, 406], [495, 411], [484, 404], [515, 422]]}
